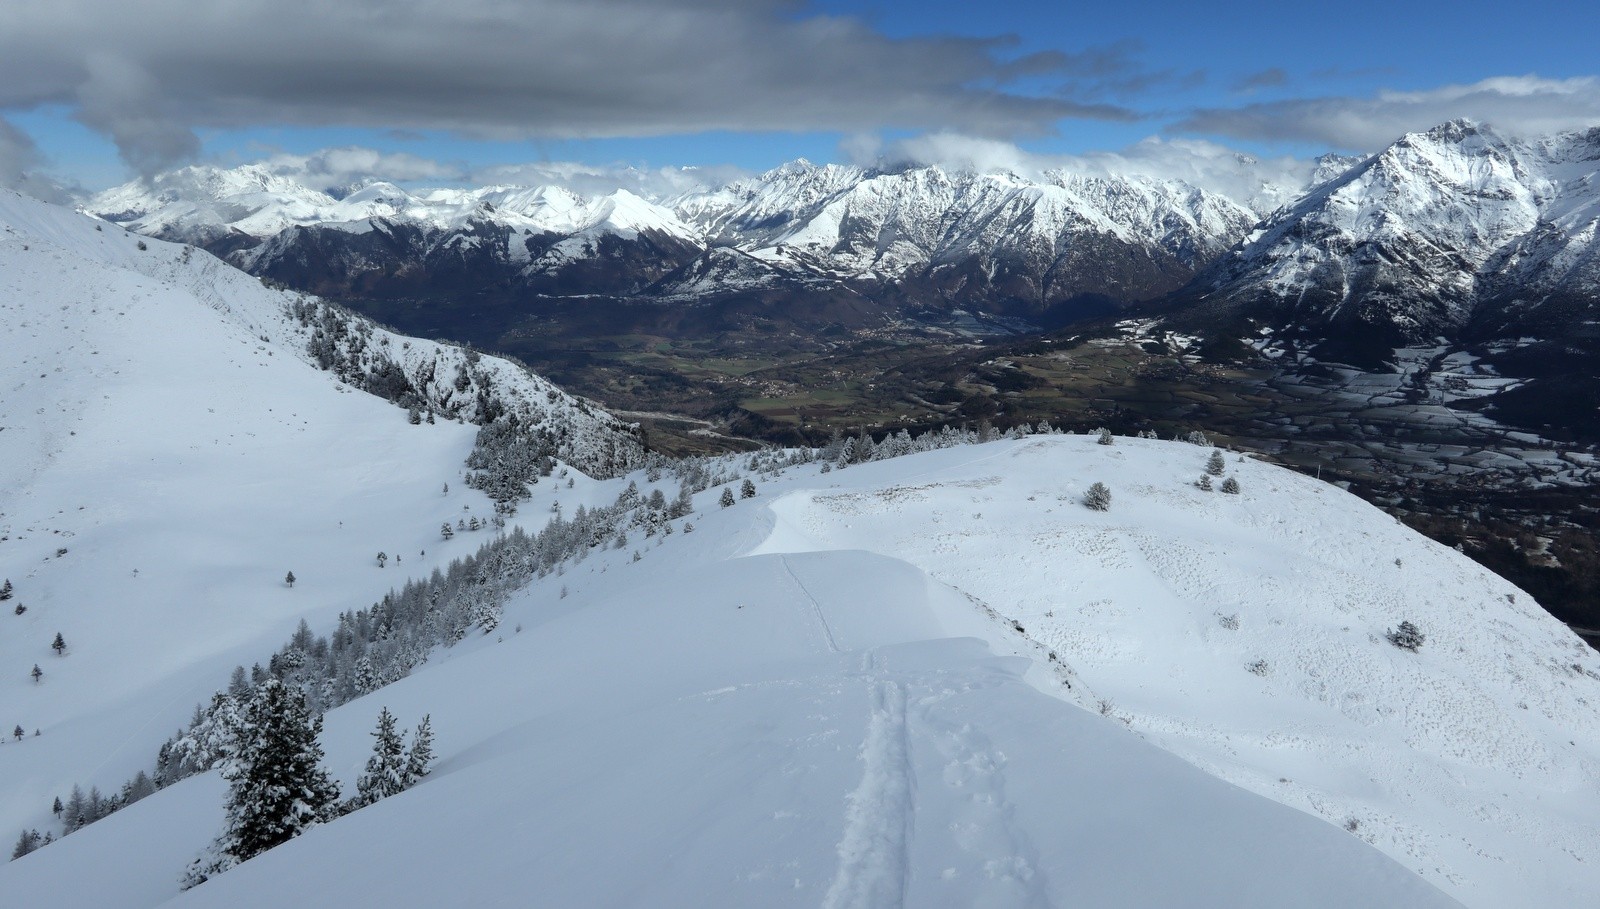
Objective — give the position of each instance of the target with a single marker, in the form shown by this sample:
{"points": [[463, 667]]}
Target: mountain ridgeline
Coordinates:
{"points": [[890, 240]]}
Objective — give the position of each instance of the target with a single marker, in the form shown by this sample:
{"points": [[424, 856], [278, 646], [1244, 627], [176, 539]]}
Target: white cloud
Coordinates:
{"points": [[19, 162], [331, 168], [657, 184], [1520, 105], [1249, 180]]}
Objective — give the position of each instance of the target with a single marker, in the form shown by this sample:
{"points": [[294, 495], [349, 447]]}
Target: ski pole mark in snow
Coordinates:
{"points": [[873, 863], [827, 632]]}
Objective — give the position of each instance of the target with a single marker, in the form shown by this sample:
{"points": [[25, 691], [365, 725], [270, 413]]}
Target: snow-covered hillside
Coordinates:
{"points": [[1456, 228], [941, 680], [745, 716], [168, 455]]}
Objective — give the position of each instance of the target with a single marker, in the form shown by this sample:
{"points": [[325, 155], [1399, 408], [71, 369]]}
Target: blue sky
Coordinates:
{"points": [[93, 98]]}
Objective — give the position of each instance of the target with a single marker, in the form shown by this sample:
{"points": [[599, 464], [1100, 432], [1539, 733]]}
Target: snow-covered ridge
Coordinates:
{"points": [[456, 382], [891, 220], [170, 447], [761, 712]]}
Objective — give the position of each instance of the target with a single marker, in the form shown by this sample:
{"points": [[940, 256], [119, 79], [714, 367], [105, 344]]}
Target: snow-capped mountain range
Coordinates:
{"points": [[1458, 231], [1455, 230], [933, 678], [1017, 245]]}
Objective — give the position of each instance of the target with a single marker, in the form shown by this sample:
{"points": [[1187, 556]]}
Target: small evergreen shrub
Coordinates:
{"points": [[1098, 497], [1406, 637]]}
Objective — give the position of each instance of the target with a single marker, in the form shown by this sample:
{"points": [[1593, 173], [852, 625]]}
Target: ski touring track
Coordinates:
{"points": [[906, 729], [816, 608], [874, 852]]}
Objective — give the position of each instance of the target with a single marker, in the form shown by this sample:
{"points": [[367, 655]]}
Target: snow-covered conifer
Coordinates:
{"points": [[72, 816], [385, 773], [727, 497], [1105, 437], [747, 490], [419, 757], [1098, 497], [289, 579], [59, 645], [1214, 464], [1230, 486], [30, 840], [1406, 637], [277, 786]]}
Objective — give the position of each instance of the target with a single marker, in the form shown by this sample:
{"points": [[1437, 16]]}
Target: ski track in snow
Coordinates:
{"points": [[873, 860], [816, 608]]}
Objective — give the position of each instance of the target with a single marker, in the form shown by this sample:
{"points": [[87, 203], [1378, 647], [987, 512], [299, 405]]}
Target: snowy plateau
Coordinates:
{"points": [[932, 680]]}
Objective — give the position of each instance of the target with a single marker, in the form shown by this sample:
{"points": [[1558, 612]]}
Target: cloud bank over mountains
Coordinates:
{"points": [[155, 77], [149, 74], [1523, 105]]}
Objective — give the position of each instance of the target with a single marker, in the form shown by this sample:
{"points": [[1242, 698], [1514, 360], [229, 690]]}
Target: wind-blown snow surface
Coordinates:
{"points": [[805, 702], [731, 721], [167, 456]]}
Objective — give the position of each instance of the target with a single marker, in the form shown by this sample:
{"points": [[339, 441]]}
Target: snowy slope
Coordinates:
{"points": [[1456, 228], [1246, 634], [842, 693], [719, 723], [167, 455]]}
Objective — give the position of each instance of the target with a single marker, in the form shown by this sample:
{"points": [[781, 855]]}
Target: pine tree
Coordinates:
{"points": [[37, 673], [727, 497], [29, 841], [73, 816], [1230, 486], [18, 732], [1098, 497], [137, 788], [385, 774], [289, 579], [1214, 464], [382, 558], [277, 788], [1406, 637], [5, 590], [1105, 437], [748, 490], [1204, 482], [56, 808], [419, 757], [59, 645], [446, 531]]}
